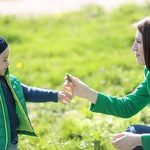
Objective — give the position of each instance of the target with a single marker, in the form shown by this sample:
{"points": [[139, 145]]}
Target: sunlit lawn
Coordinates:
{"points": [[91, 44]]}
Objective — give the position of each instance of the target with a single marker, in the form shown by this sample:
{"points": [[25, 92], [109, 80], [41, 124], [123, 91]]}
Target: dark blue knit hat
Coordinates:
{"points": [[3, 44]]}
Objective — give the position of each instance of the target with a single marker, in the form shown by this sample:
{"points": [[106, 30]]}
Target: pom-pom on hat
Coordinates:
{"points": [[3, 44]]}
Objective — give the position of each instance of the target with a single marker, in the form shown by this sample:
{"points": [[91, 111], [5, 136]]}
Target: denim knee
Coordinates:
{"points": [[131, 129]]}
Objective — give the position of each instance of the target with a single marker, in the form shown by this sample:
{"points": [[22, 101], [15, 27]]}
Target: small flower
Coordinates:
{"points": [[110, 121], [19, 65], [33, 124]]}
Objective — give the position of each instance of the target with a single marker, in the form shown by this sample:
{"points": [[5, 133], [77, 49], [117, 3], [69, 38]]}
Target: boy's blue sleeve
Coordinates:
{"points": [[34, 94]]}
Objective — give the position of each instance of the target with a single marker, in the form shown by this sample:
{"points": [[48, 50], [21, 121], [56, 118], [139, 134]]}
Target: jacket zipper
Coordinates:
{"points": [[5, 123], [30, 128], [23, 112], [26, 119]]}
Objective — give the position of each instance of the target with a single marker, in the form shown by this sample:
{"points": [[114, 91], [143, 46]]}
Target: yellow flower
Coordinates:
{"points": [[19, 65]]}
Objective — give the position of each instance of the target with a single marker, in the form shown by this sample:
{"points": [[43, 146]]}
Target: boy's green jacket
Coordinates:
{"points": [[128, 106], [21, 110]]}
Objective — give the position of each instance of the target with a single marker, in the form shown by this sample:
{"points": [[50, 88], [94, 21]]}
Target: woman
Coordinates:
{"points": [[136, 137]]}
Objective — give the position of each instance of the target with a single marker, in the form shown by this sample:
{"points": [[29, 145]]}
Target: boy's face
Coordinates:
{"points": [[4, 61]]}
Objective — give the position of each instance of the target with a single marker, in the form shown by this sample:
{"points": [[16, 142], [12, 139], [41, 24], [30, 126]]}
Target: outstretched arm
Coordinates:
{"points": [[124, 107], [34, 94], [78, 88]]}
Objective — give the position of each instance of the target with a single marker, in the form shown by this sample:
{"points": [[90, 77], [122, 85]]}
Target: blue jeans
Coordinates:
{"points": [[14, 144], [138, 129], [13, 147]]}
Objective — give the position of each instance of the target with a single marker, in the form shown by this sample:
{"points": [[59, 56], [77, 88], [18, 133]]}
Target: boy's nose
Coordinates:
{"points": [[8, 63]]}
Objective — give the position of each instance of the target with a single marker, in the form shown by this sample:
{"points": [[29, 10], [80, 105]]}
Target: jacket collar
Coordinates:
{"points": [[6, 72]]}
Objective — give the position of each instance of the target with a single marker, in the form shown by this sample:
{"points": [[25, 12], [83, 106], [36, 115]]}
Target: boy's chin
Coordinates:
{"points": [[2, 74]]}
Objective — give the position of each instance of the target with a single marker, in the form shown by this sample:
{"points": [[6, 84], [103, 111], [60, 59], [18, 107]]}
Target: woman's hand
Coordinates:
{"points": [[126, 141], [78, 88], [64, 97]]}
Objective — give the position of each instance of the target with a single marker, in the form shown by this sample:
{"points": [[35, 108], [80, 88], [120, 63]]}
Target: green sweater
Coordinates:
{"points": [[128, 106]]}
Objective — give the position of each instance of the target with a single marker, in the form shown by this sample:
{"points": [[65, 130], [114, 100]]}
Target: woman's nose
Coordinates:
{"points": [[134, 47]]}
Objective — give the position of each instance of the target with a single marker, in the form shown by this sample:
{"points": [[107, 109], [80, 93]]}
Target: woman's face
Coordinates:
{"points": [[138, 48]]}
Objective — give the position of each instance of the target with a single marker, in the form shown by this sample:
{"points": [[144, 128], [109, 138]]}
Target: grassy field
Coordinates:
{"points": [[91, 44]]}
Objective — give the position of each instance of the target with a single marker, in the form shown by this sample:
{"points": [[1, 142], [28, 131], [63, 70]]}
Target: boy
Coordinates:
{"points": [[14, 118]]}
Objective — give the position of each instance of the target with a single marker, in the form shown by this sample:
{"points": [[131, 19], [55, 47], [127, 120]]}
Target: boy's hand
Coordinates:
{"points": [[64, 97]]}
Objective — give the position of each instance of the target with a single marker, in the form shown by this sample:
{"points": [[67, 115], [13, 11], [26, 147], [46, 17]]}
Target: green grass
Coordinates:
{"points": [[91, 44]]}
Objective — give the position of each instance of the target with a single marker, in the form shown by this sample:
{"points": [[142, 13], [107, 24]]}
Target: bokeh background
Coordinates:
{"points": [[48, 7], [90, 39]]}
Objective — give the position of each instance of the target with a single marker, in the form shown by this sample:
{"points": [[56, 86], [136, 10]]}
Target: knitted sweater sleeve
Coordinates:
{"points": [[124, 107], [34, 94], [146, 141], [127, 106]]}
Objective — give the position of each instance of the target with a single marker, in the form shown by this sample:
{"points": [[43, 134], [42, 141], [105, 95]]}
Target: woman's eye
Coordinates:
{"points": [[138, 41]]}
